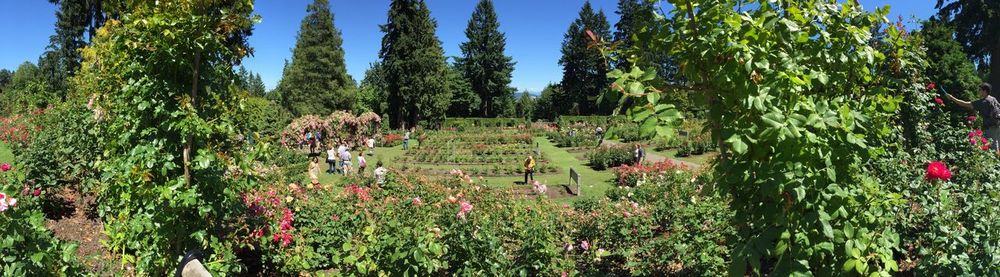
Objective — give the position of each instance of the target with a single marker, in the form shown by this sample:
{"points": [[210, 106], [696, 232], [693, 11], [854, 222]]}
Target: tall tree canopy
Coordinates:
{"points": [[977, 23], [250, 82], [413, 66], [584, 69], [483, 61], [160, 80], [371, 91], [950, 68], [634, 15], [316, 80], [463, 100], [76, 22]]}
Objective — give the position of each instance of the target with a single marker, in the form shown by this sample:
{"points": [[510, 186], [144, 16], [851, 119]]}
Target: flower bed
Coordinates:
{"points": [[457, 227], [482, 153]]}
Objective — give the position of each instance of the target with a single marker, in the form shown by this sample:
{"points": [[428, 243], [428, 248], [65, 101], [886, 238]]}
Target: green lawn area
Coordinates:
{"points": [[595, 183], [6, 155], [702, 159]]}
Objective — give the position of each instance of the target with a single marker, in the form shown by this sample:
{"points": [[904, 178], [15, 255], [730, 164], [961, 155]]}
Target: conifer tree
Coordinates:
{"points": [[316, 81], [483, 61], [584, 70], [413, 65]]}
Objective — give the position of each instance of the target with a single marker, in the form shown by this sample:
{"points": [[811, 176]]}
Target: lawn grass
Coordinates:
{"points": [[702, 159], [594, 183], [6, 154]]}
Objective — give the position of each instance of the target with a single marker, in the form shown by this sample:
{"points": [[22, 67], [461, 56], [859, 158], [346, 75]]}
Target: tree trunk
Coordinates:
{"points": [[194, 105]]}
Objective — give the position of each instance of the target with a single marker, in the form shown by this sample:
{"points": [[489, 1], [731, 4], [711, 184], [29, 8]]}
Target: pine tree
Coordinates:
{"points": [[76, 22], [484, 63], [414, 67], [584, 70], [316, 81], [525, 105], [950, 68], [463, 101], [977, 26], [634, 15], [371, 91]]}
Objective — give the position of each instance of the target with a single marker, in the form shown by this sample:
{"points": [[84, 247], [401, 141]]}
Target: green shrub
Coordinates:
{"points": [[27, 246], [64, 149], [607, 157]]}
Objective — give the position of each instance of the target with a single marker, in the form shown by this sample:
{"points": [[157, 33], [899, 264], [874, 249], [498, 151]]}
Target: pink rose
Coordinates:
{"points": [[5, 167]]}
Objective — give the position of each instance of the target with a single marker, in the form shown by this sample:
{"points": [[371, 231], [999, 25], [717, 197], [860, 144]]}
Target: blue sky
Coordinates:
{"points": [[534, 31]]}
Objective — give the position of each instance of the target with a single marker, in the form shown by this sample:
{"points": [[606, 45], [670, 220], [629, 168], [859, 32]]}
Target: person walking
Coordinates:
{"points": [[529, 169], [638, 155], [362, 163], [346, 158], [371, 146], [340, 152], [988, 109], [600, 136], [406, 140], [380, 173], [331, 159]]}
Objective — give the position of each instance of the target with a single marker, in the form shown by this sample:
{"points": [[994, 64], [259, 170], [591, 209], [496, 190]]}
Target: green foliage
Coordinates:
{"points": [[484, 63], [27, 90], [372, 91], [463, 100], [978, 30], [64, 150], [250, 82], [546, 107], [525, 106], [949, 68], [28, 248], [792, 92], [262, 117], [162, 79], [472, 122], [605, 157], [316, 81], [412, 66], [584, 70]]}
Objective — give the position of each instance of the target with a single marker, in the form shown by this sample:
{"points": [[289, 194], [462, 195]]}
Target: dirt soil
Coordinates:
{"points": [[74, 218]]}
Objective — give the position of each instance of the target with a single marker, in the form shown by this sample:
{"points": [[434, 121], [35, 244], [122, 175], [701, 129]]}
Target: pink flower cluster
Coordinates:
{"points": [[7, 202], [360, 192], [285, 225], [539, 188], [464, 208]]}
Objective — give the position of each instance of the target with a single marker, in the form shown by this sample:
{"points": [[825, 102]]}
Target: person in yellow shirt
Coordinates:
{"points": [[529, 169]]}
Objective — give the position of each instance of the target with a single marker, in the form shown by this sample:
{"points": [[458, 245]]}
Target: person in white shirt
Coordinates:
{"points": [[331, 159], [340, 152], [380, 173], [362, 163], [406, 140], [346, 158], [371, 146]]}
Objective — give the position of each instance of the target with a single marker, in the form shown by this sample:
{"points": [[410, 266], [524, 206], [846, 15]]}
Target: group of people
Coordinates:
{"points": [[340, 158]]}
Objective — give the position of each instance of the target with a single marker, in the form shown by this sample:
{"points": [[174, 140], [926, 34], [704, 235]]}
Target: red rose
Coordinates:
{"points": [[938, 101], [971, 118], [931, 86], [937, 171], [37, 192]]}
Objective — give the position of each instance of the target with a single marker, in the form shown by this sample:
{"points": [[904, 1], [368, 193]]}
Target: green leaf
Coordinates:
{"points": [[738, 145]]}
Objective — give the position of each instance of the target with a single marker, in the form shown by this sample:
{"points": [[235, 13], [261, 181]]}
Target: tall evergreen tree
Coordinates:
{"points": [[977, 25], [949, 67], [316, 80], [76, 22], [414, 67], [483, 61], [525, 105], [634, 15], [584, 70], [463, 100]]}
